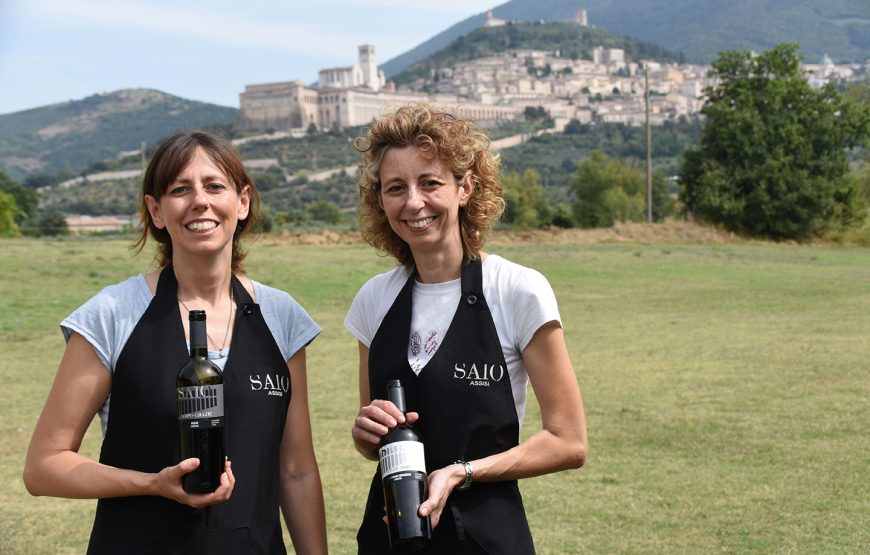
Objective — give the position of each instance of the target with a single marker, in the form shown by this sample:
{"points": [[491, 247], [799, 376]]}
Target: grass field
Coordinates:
{"points": [[726, 390]]}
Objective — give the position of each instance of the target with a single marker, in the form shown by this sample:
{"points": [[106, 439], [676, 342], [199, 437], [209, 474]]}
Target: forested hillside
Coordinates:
{"points": [[698, 28], [70, 136], [572, 41], [287, 187]]}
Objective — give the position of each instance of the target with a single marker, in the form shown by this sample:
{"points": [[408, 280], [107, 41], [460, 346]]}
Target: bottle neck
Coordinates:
{"points": [[198, 340], [396, 395]]}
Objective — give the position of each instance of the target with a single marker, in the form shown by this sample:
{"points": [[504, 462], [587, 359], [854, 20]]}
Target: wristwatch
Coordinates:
{"points": [[469, 475]]}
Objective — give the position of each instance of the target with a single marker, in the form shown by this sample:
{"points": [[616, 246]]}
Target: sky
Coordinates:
{"points": [[57, 50]]}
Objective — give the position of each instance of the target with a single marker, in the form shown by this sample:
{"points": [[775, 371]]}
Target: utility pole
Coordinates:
{"points": [[649, 218], [142, 155]]}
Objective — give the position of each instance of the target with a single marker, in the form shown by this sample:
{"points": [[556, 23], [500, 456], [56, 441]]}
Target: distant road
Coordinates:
{"points": [[322, 175], [326, 174], [101, 176], [507, 142]]}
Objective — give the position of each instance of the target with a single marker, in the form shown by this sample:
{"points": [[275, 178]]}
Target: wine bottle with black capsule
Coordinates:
{"points": [[406, 484], [200, 386]]}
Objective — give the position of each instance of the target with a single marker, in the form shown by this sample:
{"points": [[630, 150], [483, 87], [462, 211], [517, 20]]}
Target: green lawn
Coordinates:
{"points": [[726, 390]]}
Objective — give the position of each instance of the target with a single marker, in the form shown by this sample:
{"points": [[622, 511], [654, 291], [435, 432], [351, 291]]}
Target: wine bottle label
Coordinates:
{"points": [[402, 456], [201, 402]]}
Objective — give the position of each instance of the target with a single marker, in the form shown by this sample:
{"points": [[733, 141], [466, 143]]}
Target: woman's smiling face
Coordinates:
{"points": [[421, 199], [200, 208]]}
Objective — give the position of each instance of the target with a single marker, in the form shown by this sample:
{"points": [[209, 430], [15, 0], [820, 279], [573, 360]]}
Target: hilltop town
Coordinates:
{"points": [[605, 89]]}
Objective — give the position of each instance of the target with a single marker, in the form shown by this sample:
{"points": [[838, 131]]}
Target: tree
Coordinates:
{"points": [[26, 200], [37, 180], [607, 191], [563, 216], [536, 113], [527, 204], [771, 161], [859, 93], [268, 179], [573, 127], [8, 212], [52, 223], [265, 220], [324, 211]]}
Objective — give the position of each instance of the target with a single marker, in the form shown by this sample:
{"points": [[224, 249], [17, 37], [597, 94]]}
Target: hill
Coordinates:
{"points": [[70, 136], [698, 28], [571, 40], [287, 187]]}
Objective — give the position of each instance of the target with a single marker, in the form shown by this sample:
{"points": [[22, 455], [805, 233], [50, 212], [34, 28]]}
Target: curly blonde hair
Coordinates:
{"points": [[460, 145]]}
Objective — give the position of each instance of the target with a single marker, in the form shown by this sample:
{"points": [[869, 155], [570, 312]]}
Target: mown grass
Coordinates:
{"points": [[726, 390]]}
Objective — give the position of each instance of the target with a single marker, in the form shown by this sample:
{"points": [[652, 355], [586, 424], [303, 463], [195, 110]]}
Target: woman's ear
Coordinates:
{"points": [[466, 188], [244, 202], [154, 211]]}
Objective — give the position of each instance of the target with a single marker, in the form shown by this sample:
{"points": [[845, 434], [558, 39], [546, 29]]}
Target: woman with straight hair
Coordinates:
{"points": [[124, 348]]}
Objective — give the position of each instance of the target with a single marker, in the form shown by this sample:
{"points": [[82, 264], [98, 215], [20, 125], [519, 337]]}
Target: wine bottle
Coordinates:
{"points": [[406, 484], [201, 411]]}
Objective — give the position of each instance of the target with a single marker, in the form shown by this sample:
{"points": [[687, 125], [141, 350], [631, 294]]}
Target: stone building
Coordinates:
{"points": [[277, 107], [345, 97], [608, 56], [489, 20], [291, 105], [365, 73]]}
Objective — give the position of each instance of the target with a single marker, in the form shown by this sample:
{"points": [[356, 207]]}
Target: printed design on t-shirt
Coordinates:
{"points": [[431, 342], [416, 340]]}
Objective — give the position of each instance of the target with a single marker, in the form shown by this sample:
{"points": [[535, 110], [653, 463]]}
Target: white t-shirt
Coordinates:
{"points": [[520, 299]]}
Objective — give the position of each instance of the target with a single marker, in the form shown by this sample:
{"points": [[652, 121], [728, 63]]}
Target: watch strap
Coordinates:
{"points": [[469, 475]]}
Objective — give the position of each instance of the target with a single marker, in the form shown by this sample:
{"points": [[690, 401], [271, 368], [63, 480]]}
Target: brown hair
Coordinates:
{"points": [[459, 145], [169, 160]]}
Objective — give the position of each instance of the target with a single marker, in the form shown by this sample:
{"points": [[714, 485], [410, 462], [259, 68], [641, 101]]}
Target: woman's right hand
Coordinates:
{"points": [[373, 421], [54, 466], [167, 483]]}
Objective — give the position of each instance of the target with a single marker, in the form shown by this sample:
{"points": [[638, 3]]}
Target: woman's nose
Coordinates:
{"points": [[415, 199], [200, 198]]}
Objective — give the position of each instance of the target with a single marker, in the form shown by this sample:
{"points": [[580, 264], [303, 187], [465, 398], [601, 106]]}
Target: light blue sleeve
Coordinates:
{"points": [[291, 326], [108, 318]]}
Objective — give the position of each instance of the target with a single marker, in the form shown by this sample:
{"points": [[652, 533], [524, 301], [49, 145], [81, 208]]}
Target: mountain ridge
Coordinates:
{"points": [[698, 28], [68, 136], [571, 40]]}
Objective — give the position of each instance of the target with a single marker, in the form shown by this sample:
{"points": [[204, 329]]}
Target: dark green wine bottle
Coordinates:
{"points": [[200, 385], [406, 484]]}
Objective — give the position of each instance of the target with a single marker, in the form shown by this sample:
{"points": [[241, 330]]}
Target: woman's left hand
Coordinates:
{"points": [[441, 484]]}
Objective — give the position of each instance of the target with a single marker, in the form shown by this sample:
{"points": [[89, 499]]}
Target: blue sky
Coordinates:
{"points": [[57, 50]]}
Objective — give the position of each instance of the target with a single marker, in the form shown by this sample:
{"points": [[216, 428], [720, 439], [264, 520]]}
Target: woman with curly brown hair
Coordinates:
{"points": [[464, 331]]}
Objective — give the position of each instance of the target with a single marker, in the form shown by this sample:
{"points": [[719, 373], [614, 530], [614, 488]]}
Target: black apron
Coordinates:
{"points": [[467, 411], [143, 435]]}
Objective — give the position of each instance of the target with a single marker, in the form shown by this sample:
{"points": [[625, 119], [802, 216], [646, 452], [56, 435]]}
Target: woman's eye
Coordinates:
{"points": [[215, 186], [178, 190]]}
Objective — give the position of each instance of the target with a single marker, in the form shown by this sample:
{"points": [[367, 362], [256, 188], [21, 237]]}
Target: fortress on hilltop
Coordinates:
{"points": [[343, 97]]}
